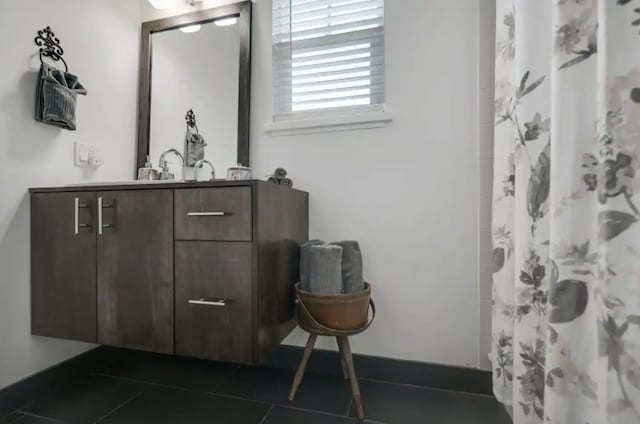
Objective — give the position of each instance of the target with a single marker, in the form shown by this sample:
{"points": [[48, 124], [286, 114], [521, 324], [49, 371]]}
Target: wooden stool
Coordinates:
{"points": [[346, 357]]}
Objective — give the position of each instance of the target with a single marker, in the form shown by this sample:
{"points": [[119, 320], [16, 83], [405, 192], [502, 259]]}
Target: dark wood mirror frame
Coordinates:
{"points": [[243, 11]]}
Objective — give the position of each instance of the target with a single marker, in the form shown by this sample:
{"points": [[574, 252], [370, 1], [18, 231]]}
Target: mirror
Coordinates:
{"points": [[194, 96]]}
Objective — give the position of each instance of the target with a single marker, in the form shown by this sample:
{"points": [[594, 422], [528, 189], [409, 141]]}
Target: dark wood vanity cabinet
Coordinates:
{"points": [[196, 269]]}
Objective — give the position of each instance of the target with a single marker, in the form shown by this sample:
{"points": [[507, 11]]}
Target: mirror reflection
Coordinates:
{"points": [[194, 96]]}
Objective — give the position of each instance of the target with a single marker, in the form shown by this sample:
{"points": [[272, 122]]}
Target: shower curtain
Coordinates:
{"points": [[566, 236]]}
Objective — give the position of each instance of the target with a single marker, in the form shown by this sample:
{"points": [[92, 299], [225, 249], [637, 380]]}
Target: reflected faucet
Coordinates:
{"points": [[166, 174], [199, 165]]}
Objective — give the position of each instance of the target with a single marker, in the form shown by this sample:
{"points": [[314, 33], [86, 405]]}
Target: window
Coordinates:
{"points": [[327, 55]]}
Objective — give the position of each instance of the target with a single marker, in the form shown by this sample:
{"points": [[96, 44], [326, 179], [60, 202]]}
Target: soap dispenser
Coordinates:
{"points": [[148, 173]]}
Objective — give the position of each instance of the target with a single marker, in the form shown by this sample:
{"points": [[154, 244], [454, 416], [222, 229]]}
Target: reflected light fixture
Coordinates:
{"points": [[190, 28], [226, 21], [162, 4]]}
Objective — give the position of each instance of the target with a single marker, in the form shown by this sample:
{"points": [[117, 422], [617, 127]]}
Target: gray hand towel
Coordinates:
{"points": [[194, 146], [326, 269], [56, 97], [305, 263], [352, 278], [280, 173], [287, 182]]}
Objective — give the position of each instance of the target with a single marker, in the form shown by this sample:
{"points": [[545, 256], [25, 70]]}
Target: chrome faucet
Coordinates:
{"points": [[166, 174], [199, 165]]}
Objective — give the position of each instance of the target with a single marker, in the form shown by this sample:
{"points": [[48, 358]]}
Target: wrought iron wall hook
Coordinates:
{"points": [[50, 46], [191, 120]]}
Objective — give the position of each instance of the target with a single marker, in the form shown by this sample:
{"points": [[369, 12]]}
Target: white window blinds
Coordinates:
{"points": [[327, 54]]}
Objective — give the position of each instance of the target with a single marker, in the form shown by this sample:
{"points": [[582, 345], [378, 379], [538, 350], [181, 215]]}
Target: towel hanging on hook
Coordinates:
{"points": [[194, 143], [56, 90]]}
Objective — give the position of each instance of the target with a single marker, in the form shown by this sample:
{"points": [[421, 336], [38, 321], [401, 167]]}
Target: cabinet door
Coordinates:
{"points": [[214, 307], [135, 269], [63, 266]]}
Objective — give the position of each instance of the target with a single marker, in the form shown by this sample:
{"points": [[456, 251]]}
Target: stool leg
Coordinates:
{"points": [[303, 364], [345, 373], [355, 389]]}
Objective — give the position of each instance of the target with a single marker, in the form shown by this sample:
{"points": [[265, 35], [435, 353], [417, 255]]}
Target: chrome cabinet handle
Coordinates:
{"points": [[209, 302], [206, 213], [100, 215], [76, 210], [101, 206]]}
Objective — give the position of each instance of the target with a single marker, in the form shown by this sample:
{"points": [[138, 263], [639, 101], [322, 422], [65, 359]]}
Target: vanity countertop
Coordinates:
{"points": [[144, 185]]}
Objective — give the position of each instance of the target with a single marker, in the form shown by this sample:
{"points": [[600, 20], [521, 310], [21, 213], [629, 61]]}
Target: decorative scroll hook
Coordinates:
{"points": [[191, 119], [50, 46]]}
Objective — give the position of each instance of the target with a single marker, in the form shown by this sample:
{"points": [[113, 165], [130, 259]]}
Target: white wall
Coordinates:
{"points": [[196, 71], [100, 39], [407, 192], [486, 64]]}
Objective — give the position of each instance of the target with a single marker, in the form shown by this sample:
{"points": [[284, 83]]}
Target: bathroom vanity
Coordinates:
{"points": [[202, 269]]}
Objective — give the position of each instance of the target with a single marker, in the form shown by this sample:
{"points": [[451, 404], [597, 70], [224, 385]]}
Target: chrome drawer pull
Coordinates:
{"points": [[206, 213], [212, 302]]}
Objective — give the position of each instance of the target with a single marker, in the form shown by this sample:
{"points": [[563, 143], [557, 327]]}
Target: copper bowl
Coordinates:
{"points": [[339, 312]]}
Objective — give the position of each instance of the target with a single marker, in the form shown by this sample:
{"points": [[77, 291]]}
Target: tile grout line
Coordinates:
{"points": [[297, 408], [42, 417], [287, 405], [264, 419], [330, 414], [373, 380], [148, 383], [118, 407], [183, 389]]}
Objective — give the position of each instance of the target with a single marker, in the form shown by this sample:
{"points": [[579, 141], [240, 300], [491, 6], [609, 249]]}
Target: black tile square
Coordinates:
{"points": [[399, 404], [163, 405], [83, 400], [18, 395], [283, 415], [317, 392], [173, 371]]}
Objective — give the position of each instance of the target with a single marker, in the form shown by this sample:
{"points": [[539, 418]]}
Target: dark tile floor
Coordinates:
{"points": [[147, 388]]}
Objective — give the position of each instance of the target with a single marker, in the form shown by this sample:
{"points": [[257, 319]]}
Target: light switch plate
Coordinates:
{"points": [[81, 154], [87, 156]]}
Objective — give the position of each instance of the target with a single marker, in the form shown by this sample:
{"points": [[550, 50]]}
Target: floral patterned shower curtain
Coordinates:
{"points": [[566, 236]]}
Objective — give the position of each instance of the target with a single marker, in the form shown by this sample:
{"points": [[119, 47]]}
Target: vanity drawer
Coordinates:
{"points": [[213, 300], [222, 214]]}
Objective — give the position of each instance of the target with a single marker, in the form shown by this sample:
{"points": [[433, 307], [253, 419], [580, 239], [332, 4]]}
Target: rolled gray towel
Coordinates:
{"points": [[288, 182], [305, 263], [272, 179], [280, 173], [326, 269], [352, 278]]}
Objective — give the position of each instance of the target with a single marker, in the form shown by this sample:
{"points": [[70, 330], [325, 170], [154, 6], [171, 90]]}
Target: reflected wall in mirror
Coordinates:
{"points": [[195, 76], [196, 71]]}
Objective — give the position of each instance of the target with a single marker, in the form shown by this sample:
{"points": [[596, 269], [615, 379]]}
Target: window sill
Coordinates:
{"points": [[343, 122]]}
